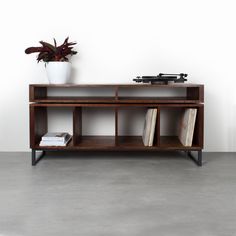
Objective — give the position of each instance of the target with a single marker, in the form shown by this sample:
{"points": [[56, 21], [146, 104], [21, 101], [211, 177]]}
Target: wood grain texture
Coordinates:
{"points": [[77, 125], [37, 93], [38, 124]]}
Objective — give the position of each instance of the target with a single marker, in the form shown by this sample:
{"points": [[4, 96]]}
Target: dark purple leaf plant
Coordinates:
{"points": [[48, 52]]}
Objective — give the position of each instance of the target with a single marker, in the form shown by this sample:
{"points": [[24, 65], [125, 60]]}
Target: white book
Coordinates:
{"points": [[55, 143], [55, 136], [147, 127], [187, 125], [153, 125]]}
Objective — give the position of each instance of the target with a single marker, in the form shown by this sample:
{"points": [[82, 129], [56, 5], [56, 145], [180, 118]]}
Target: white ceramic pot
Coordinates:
{"points": [[58, 72]]}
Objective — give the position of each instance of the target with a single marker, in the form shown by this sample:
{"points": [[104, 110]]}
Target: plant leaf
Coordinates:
{"points": [[55, 42], [48, 45]]}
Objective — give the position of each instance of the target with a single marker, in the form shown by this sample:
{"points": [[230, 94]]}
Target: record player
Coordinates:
{"points": [[162, 78]]}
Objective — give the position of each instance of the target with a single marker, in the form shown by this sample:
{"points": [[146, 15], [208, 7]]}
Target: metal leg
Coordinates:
{"points": [[34, 159], [197, 160]]}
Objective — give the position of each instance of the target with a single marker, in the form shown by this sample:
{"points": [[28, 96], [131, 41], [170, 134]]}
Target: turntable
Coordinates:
{"points": [[162, 78]]}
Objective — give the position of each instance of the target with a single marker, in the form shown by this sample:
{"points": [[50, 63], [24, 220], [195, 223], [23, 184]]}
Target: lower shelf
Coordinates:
{"points": [[122, 143]]}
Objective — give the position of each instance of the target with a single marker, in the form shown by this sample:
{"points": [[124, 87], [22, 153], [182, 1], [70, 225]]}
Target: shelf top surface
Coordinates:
{"points": [[133, 85]]}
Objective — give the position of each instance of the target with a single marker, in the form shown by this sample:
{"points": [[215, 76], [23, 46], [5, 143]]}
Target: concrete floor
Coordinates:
{"points": [[116, 194]]}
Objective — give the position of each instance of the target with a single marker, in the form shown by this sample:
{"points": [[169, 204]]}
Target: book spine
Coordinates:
{"points": [[61, 139], [52, 144], [55, 143]]}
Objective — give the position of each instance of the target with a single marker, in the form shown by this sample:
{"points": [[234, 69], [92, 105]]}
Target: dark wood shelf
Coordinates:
{"points": [[96, 141], [41, 103], [134, 85], [194, 93], [99, 142], [117, 105], [91, 99]]}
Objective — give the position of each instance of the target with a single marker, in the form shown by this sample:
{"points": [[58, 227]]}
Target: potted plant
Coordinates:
{"points": [[56, 60]]}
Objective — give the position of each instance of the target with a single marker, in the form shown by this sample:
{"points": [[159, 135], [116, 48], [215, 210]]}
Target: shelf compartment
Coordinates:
{"points": [[115, 93], [88, 119], [49, 119], [130, 122], [155, 100], [170, 117], [74, 99], [69, 93]]}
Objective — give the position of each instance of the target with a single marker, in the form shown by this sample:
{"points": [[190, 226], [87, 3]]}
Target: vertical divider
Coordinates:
{"points": [[116, 116], [77, 125], [116, 126], [116, 93], [38, 124], [198, 135], [158, 132]]}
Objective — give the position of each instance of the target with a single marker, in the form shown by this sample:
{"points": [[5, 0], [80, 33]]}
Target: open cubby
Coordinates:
{"points": [[130, 123], [94, 127], [170, 118], [114, 121], [50, 119]]}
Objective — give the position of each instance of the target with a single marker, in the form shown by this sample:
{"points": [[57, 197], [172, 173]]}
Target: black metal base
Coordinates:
{"points": [[197, 160], [34, 159]]}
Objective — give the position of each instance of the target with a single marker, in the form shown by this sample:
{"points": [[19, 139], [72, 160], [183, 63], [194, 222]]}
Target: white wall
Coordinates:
{"points": [[118, 40]]}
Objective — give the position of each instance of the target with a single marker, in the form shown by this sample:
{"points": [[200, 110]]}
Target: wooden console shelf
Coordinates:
{"points": [[46, 96]]}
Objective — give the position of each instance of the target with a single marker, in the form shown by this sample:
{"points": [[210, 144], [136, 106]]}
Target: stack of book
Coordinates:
{"points": [[149, 127], [55, 139]]}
